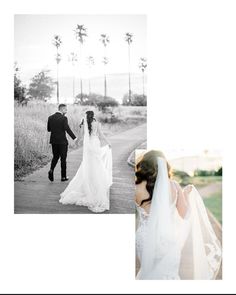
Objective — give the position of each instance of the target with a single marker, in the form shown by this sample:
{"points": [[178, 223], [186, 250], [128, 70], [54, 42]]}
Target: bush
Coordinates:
{"points": [[199, 172], [97, 100], [136, 100]]}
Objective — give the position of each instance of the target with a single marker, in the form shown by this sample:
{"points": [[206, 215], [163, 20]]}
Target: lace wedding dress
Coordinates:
{"points": [[90, 186], [171, 247]]}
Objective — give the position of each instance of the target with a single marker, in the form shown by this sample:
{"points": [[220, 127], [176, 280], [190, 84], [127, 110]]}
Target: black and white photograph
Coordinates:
{"points": [[80, 111]]}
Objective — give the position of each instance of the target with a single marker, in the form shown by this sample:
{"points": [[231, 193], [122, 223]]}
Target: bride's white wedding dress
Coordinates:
{"points": [[90, 186], [171, 247]]}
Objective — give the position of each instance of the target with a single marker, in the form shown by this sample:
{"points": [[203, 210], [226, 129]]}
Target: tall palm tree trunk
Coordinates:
{"points": [[129, 76], [105, 86], [143, 85], [81, 82], [89, 87], [57, 80], [73, 86], [81, 89]]}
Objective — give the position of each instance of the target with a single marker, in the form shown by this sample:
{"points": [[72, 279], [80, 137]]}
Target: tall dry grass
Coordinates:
{"points": [[32, 148]]}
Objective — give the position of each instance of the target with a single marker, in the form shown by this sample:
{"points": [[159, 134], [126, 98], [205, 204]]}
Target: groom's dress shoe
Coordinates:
{"points": [[65, 178], [50, 175]]}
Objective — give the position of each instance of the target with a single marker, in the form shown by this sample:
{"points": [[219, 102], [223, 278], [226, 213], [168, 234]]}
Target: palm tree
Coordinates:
{"points": [[143, 66], [90, 65], [73, 59], [57, 43], [105, 40], [105, 62], [80, 34], [129, 40]]}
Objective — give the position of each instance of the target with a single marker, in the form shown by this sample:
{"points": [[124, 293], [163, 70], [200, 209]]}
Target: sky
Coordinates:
{"points": [[189, 160], [34, 50]]}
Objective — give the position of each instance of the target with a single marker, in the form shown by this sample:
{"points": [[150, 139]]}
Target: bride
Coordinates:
{"points": [[174, 238], [91, 185]]}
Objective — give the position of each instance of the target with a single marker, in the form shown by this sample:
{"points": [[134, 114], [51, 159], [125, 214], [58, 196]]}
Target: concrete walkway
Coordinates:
{"points": [[210, 189], [36, 194]]}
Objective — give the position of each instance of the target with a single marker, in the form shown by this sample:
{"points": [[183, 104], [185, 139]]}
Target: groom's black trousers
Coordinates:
{"points": [[59, 151]]}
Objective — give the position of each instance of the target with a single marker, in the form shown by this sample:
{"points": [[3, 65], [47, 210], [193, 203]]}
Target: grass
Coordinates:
{"points": [[198, 181], [32, 149], [214, 204]]}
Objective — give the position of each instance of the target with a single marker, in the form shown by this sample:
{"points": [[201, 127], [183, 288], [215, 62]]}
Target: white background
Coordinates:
{"points": [[191, 102]]}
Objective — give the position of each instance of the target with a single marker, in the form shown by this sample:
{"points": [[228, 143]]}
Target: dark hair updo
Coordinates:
{"points": [[147, 170], [90, 119]]}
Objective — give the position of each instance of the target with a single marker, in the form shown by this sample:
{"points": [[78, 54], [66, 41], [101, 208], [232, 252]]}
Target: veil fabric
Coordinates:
{"points": [[176, 247], [91, 185]]}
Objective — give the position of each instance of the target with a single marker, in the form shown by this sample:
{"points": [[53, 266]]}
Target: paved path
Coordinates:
{"points": [[210, 189], [36, 194]]}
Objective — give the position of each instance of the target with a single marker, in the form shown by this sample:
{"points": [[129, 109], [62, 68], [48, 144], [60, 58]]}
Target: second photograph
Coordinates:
{"points": [[178, 201]]}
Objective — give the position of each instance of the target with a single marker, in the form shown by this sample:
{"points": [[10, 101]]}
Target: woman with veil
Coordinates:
{"points": [[174, 238], [91, 185]]}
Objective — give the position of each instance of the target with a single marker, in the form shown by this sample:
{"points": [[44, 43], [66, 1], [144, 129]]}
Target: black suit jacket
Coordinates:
{"points": [[58, 126]]}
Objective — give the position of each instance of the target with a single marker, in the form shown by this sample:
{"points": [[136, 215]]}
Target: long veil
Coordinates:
{"points": [[191, 238], [201, 254], [160, 236]]}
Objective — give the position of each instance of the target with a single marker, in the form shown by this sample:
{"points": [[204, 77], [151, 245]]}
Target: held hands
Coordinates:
{"points": [[76, 141]]}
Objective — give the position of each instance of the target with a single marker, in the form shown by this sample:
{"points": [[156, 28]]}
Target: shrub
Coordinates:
{"points": [[136, 100], [97, 100]]}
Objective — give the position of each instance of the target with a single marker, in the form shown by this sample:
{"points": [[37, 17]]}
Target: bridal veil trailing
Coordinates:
{"points": [[174, 247], [91, 185]]}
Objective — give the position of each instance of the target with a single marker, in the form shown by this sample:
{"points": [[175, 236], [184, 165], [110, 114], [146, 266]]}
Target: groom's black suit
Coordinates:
{"points": [[58, 126]]}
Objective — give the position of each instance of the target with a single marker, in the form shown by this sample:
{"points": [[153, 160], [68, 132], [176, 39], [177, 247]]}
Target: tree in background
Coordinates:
{"points": [[73, 59], [219, 172], [143, 66], [105, 40], [80, 35], [129, 40], [105, 62], [19, 88], [90, 65], [57, 43], [41, 86]]}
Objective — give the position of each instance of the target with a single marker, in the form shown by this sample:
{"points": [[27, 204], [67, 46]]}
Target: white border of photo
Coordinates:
{"points": [[191, 93]]}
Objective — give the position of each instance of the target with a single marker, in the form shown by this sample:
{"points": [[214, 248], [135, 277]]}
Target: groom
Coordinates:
{"points": [[58, 126]]}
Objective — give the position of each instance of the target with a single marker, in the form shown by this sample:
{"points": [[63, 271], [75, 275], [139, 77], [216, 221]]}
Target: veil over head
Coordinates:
{"points": [[188, 242], [160, 232]]}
